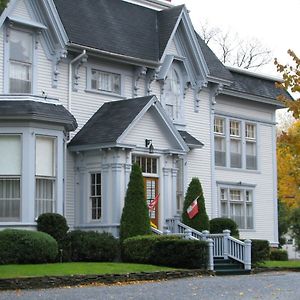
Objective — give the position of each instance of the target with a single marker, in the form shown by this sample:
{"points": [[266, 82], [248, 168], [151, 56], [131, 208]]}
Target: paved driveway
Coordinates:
{"points": [[281, 285]]}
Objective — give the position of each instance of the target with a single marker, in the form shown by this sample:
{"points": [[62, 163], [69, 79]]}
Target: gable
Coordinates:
{"points": [[21, 10], [151, 127]]}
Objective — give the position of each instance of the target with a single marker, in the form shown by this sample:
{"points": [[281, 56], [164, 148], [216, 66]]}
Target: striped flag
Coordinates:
{"points": [[153, 203], [192, 210]]}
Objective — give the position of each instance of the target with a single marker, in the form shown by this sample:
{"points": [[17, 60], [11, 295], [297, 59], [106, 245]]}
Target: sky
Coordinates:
{"points": [[275, 23]]}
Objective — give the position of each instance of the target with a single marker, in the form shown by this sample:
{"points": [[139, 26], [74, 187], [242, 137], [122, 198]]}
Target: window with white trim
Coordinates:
{"points": [[95, 196], [10, 177], [20, 61], [220, 142], [146, 163], [237, 204], [105, 81], [251, 155], [239, 138], [45, 174], [174, 95]]}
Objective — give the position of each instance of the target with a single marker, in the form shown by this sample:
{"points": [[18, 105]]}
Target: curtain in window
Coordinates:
{"points": [[235, 153], [220, 154], [44, 196], [251, 156]]}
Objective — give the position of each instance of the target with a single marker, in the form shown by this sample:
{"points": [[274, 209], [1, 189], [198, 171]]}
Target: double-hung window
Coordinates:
{"points": [[45, 174], [20, 61], [105, 81], [220, 142], [237, 204], [95, 196], [235, 144], [10, 177], [250, 137]]}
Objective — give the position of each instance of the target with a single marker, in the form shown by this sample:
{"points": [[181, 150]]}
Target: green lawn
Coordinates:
{"points": [[58, 269], [281, 264]]}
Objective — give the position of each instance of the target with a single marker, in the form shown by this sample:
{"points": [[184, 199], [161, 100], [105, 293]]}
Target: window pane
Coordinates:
{"points": [[44, 196], [224, 209], [106, 81], [237, 214], [45, 156], [95, 196], [220, 154], [250, 131], [251, 156], [219, 126], [249, 216], [10, 155], [10, 199], [235, 153], [20, 46], [235, 128]]}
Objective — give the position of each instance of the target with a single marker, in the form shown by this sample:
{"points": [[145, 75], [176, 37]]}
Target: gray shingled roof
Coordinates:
{"points": [[33, 110], [255, 85], [109, 122], [191, 141]]}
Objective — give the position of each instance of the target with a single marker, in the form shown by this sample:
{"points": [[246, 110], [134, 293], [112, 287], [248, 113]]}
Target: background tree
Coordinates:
{"points": [[233, 50], [283, 221], [295, 226], [3, 4], [135, 216], [291, 82], [288, 162], [200, 221]]}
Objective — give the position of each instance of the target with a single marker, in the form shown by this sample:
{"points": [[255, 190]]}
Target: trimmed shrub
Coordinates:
{"points": [[53, 224], [135, 216], [278, 254], [23, 246], [92, 246], [217, 225], [139, 249], [191, 254], [200, 221], [260, 251]]}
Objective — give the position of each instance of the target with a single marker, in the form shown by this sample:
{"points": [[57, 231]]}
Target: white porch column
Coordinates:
{"points": [[165, 208], [106, 196], [173, 202], [116, 192]]}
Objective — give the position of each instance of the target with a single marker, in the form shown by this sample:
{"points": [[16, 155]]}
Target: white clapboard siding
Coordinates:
{"points": [[21, 10], [264, 186], [243, 107], [151, 127], [199, 160], [172, 48], [1, 61]]}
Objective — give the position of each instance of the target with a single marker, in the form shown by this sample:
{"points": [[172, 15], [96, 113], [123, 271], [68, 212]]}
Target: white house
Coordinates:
{"points": [[90, 86]]}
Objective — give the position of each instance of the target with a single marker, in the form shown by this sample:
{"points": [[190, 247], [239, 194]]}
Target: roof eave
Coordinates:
{"points": [[119, 57], [78, 148], [266, 100]]}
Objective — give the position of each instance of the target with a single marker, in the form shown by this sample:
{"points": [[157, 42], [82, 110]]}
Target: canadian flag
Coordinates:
{"points": [[192, 210], [153, 203]]}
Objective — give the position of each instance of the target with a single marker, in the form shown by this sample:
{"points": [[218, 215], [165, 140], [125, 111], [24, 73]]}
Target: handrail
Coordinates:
{"points": [[156, 231], [195, 233]]}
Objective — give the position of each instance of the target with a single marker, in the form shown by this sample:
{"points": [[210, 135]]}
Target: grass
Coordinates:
{"points": [[281, 264], [61, 269]]}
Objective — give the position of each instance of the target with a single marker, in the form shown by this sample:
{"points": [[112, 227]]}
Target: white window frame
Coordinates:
{"points": [[150, 169], [225, 197], [108, 70], [220, 133], [253, 141], [49, 179], [96, 196], [34, 62], [237, 134], [10, 177]]}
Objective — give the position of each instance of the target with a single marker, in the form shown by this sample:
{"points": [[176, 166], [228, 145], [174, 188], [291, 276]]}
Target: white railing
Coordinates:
{"points": [[220, 245]]}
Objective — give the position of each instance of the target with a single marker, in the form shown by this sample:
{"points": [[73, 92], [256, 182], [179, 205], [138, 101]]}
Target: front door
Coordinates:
{"points": [[151, 187]]}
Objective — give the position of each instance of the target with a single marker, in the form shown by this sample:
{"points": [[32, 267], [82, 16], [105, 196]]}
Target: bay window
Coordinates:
{"points": [[237, 204], [95, 196], [20, 61], [10, 177], [45, 174]]}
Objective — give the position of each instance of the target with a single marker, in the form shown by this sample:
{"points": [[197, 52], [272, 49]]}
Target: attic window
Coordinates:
{"points": [[106, 81]]}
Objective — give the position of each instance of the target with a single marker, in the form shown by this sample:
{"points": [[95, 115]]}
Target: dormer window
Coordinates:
{"points": [[20, 61], [173, 96]]}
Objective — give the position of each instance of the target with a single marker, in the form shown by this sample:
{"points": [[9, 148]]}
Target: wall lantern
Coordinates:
{"points": [[149, 145]]}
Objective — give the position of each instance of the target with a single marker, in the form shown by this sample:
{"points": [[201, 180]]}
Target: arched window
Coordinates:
{"points": [[173, 95]]}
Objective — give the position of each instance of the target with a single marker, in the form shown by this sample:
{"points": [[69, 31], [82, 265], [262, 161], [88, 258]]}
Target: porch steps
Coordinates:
{"points": [[229, 267]]}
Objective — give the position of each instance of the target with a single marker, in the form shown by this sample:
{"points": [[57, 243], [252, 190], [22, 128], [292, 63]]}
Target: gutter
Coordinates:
{"points": [[129, 59], [77, 58]]}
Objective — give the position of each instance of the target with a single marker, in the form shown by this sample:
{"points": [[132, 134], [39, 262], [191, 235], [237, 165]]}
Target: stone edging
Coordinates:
{"points": [[60, 281], [278, 269]]}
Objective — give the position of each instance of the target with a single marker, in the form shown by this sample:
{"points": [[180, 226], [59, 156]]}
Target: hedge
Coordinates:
{"points": [[139, 249], [24, 246], [278, 254], [217, 225], [92, 246], [167, 250], [260, 251]]}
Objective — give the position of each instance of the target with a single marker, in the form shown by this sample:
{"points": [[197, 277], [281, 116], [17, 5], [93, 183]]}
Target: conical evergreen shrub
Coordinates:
{"points": [[199, 221], [135, 216]]}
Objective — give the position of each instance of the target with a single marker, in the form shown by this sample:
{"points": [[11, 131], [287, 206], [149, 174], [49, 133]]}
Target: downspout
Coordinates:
{"points": [[77, 58]]}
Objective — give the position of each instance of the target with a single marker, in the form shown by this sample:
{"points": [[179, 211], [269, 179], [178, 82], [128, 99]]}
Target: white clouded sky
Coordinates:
{"points": [[274, 22]]}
